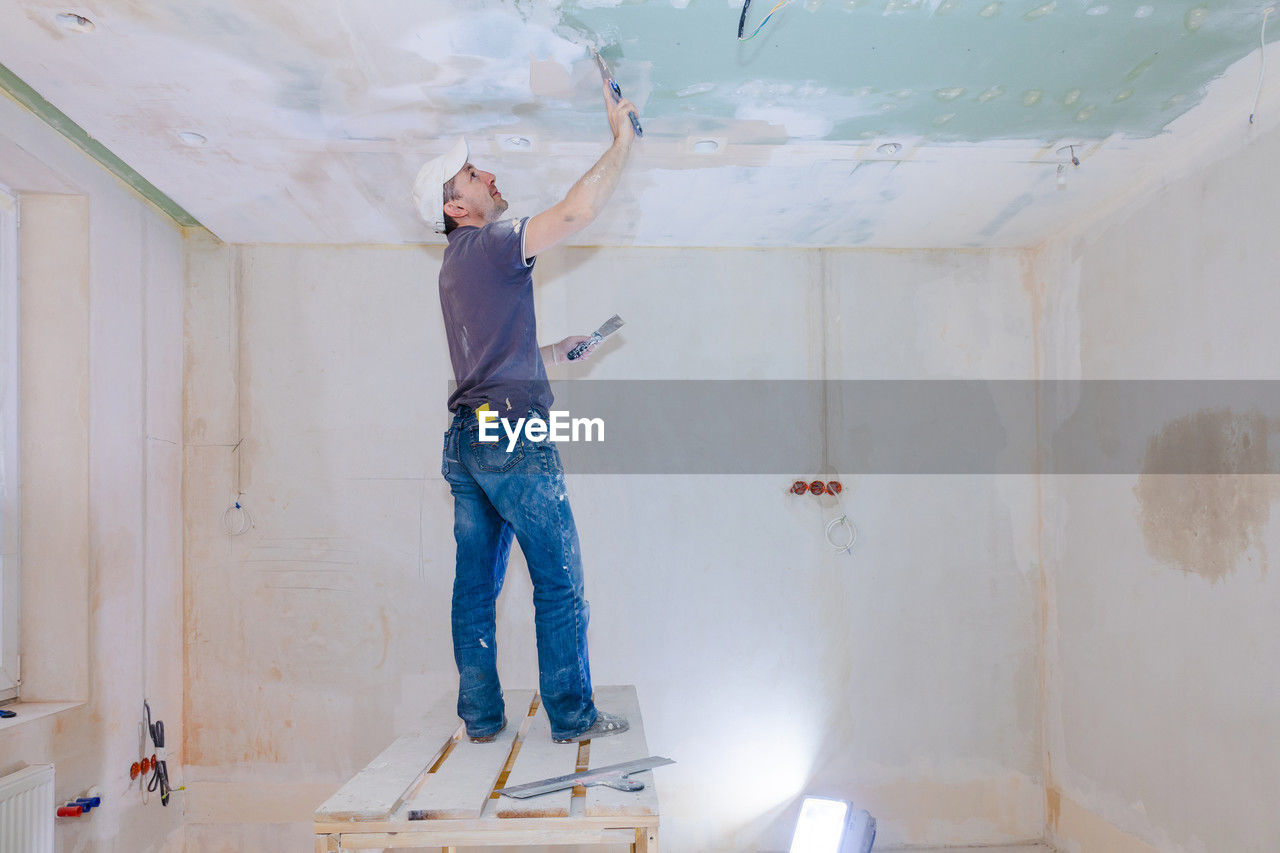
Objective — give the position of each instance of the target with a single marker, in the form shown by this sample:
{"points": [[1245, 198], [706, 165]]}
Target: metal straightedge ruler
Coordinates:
{"points": [[613, 776]]}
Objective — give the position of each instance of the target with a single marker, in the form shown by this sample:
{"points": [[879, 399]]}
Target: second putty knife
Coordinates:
{"points": [[610, 326]]}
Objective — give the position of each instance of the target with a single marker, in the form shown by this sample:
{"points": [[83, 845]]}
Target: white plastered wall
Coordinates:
{"points": [[926, 717], [101, 531], [1163, 711], [903, 677], [1126, 635]]}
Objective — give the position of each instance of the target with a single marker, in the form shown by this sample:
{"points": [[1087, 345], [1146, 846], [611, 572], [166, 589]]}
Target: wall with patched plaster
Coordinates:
{"points": [[903, 677], [101, 530], [1163, 712], [316, 638]]}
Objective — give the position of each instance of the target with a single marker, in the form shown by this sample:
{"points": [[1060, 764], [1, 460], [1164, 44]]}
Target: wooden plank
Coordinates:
{"points": [[539, 758], [501, 838], [461, 785], [379, 789], [628, 746], [485, 821], [647, 840]]}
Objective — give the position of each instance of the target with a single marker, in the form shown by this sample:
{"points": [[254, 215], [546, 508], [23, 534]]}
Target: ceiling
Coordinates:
{"points": [[315, 115]]}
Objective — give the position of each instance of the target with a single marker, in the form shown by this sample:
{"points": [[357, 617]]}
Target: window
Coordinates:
{"points": [[9, 518]]}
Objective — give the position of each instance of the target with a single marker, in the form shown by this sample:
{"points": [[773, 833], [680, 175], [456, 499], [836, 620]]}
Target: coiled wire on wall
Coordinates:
{"points": [[159, 769], [842, 548], [237, 520]]}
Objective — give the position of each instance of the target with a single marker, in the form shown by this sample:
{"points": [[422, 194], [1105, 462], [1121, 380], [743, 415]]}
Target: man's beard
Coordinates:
{"points": [[499, 208]]}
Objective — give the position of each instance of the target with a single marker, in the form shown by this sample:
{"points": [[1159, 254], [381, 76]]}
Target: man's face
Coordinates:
{"points": [[478, 194]]}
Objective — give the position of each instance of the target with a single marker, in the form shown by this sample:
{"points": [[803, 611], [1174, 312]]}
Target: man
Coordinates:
{"points": [[486, 294]]}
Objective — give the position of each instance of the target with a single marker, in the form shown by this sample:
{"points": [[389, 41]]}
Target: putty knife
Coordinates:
{"points": [[577, 31], [607, 76], [610, 326]]}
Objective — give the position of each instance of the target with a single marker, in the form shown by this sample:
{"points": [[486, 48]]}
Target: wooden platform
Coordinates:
{"points": [[447, 783]]}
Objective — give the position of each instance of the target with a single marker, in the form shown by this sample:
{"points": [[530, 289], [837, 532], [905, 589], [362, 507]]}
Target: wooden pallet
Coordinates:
{"points": [[435, 788]]}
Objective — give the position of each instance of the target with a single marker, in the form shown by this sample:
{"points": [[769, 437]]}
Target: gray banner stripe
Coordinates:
{"points": [[799, 428]]}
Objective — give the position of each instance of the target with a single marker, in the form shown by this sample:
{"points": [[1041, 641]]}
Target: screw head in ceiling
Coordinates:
{"points": [[515, 142]]}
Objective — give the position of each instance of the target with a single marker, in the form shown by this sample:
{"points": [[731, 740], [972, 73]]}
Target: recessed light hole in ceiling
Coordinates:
{"points": [[71, 22], [1041, 11]]}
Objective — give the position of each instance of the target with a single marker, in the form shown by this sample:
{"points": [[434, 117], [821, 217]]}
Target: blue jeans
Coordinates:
{"points": [[498, 495]]}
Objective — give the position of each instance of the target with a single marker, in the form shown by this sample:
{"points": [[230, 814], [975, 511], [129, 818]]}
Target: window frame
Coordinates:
{"points": [[10, 448]]}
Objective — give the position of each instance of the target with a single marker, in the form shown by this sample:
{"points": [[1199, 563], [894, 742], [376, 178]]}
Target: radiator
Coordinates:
{"points": [[26, 810]]}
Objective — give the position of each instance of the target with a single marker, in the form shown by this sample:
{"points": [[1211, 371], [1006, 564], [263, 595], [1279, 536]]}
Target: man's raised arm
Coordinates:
{"points": [[587, 198]]}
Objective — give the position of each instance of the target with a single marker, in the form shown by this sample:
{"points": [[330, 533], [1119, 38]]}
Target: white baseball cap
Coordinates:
{"points": [[428, 187]]}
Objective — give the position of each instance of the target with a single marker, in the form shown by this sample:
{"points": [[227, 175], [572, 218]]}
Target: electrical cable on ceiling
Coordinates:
{"points": [[742, 21], [1262, 72]]}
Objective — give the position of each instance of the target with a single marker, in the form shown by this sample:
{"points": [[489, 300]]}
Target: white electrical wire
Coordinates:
{"points": [[853, 534], [1262, 72], [243, 521]]}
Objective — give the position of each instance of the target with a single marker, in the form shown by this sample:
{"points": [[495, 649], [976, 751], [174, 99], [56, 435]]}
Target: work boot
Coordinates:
{"points": [[490, 738], [605, 725]]}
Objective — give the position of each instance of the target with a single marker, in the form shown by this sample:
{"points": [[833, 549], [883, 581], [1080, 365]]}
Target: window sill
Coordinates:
{"points": [[30, 711]]}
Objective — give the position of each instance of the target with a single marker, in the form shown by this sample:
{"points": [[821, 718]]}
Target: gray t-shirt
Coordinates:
{"points": [[486, 294]]}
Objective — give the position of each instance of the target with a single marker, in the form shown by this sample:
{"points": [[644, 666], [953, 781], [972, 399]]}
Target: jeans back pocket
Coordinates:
{"points": [[493, 457]]}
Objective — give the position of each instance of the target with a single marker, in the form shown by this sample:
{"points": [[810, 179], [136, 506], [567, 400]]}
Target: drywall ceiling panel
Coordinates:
{"points": [[310, 119]]}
